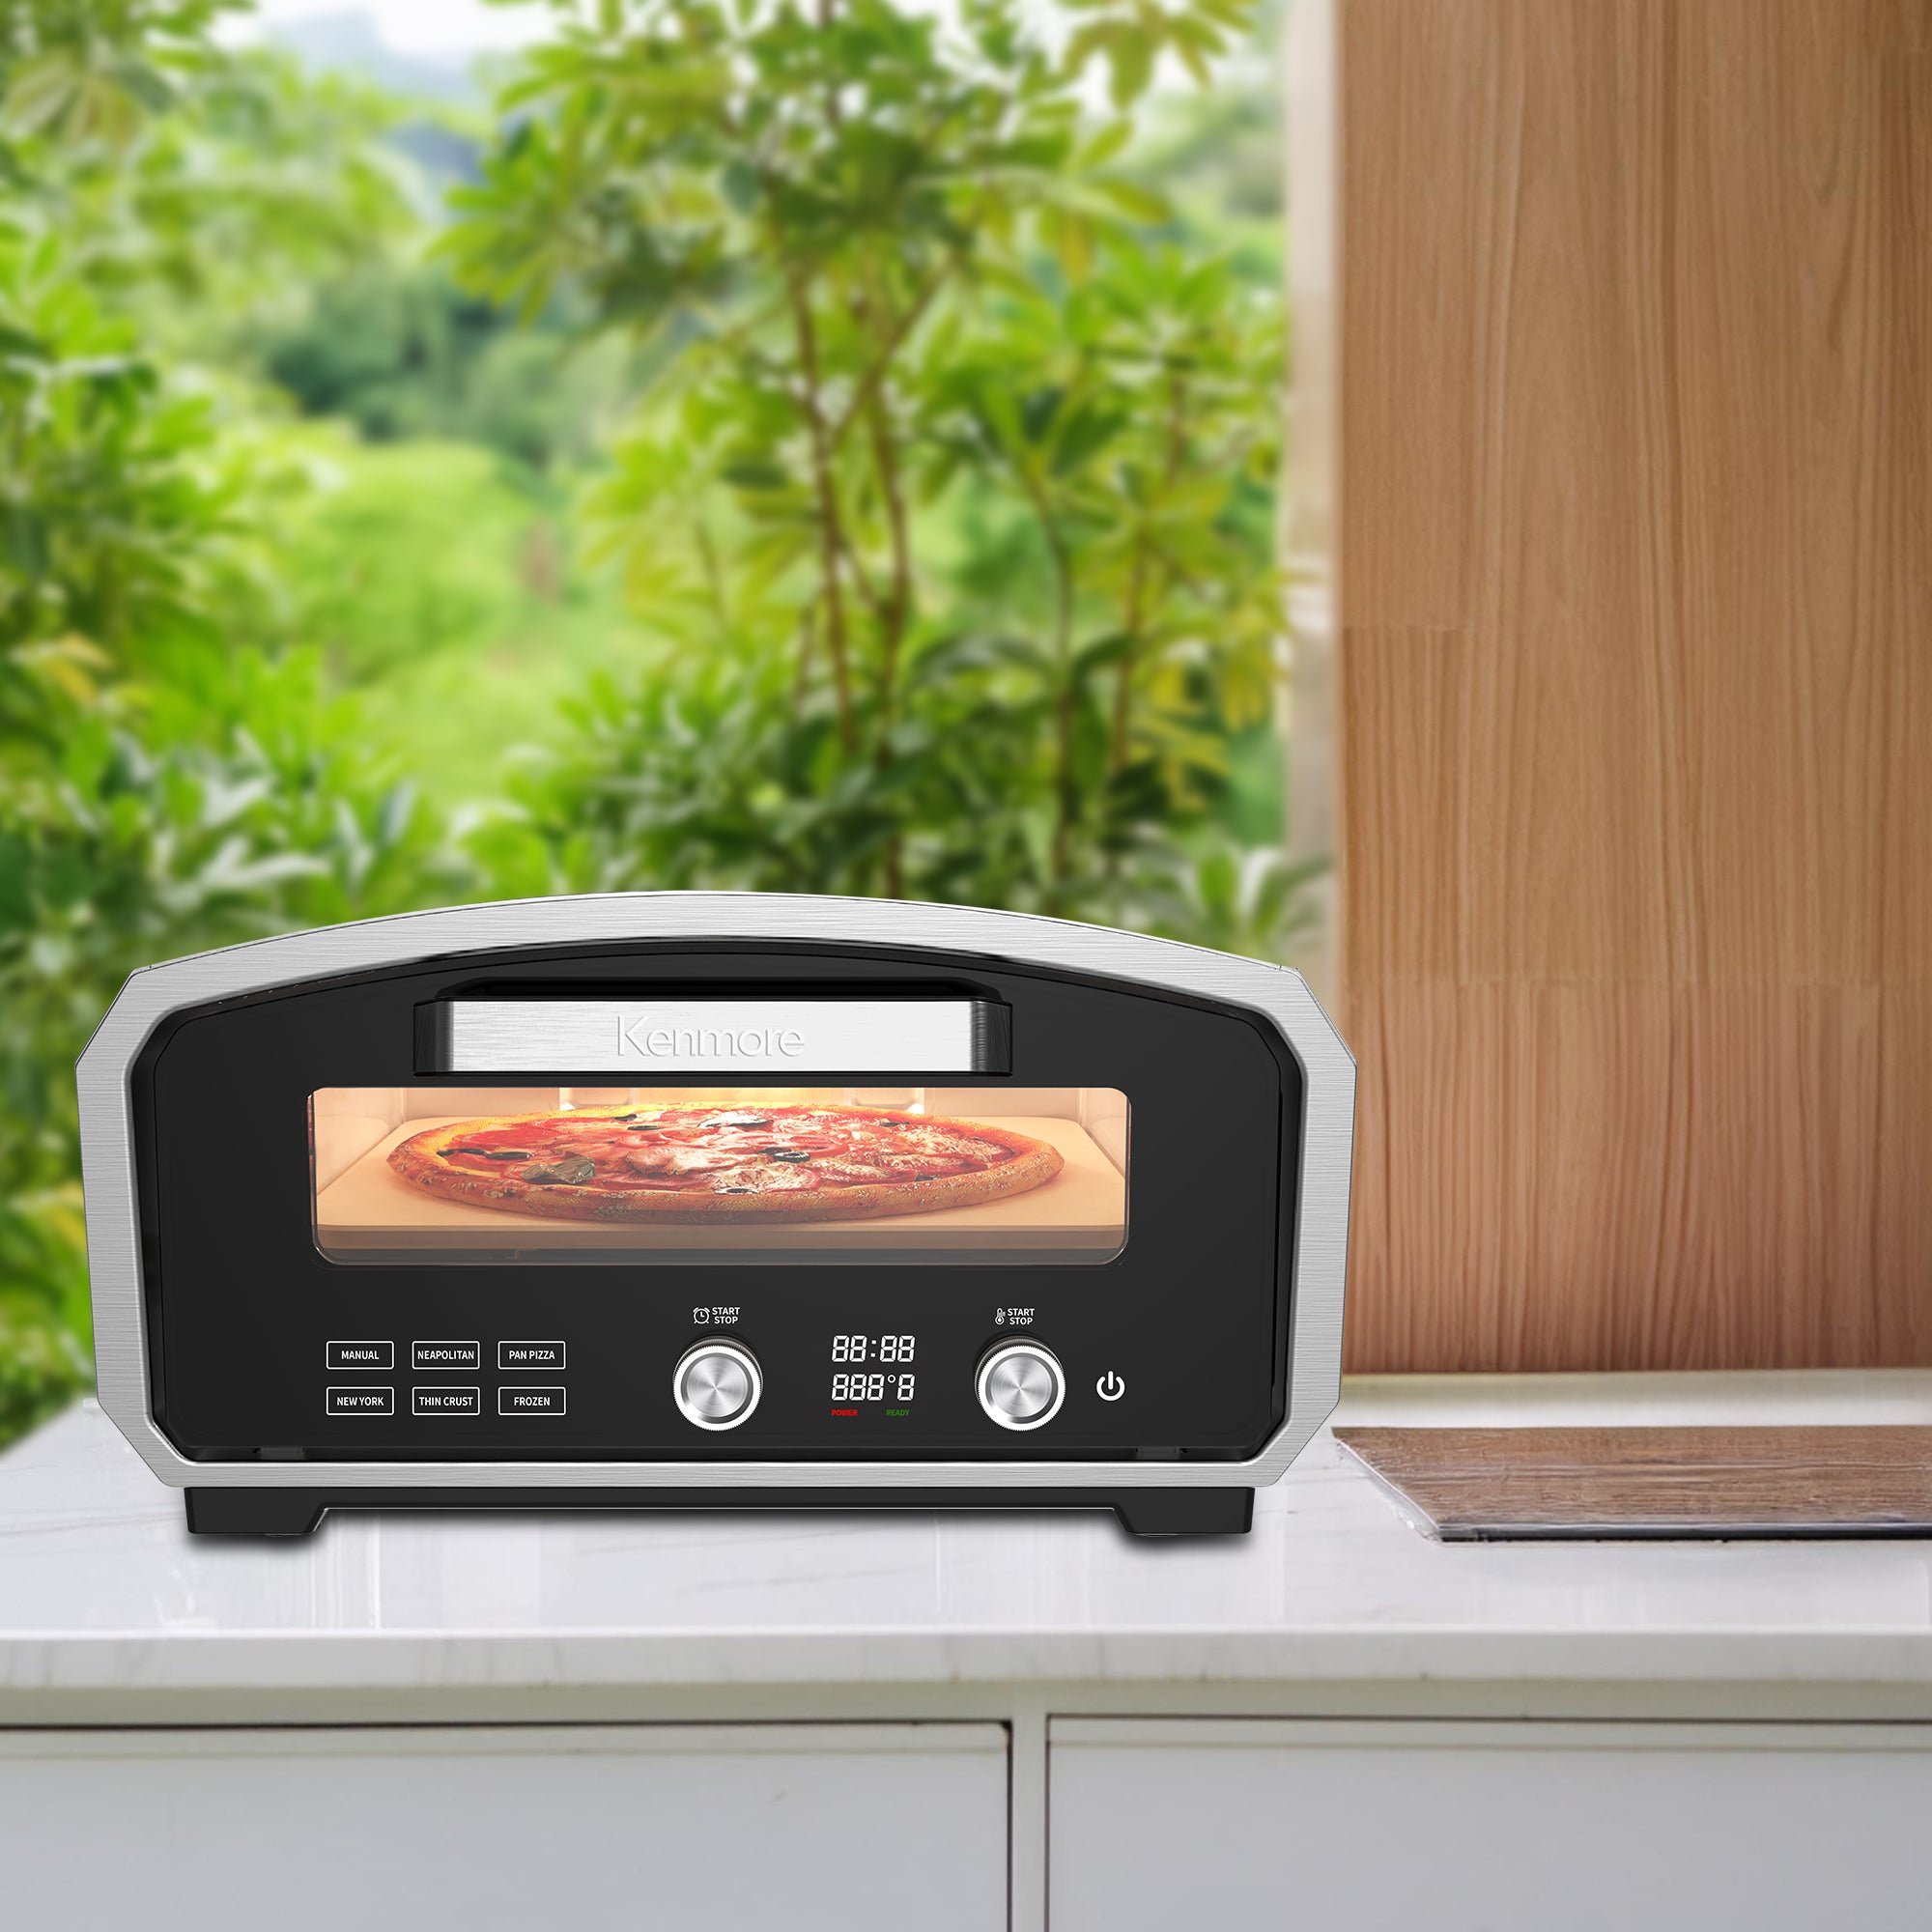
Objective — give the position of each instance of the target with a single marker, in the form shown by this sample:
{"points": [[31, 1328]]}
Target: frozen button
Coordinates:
{"points": [[531, 1399], [361, 1398], [352, 1355]]}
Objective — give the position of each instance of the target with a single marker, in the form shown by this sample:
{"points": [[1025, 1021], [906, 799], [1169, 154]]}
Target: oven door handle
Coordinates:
{"points": [[644, 1036]]}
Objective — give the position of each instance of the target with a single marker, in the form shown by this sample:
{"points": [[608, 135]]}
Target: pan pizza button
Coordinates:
{"points": [[529, 1354]]}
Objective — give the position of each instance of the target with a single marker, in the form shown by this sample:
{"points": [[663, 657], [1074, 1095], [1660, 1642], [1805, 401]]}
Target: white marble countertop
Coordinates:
{"points": [[109, 1610]]}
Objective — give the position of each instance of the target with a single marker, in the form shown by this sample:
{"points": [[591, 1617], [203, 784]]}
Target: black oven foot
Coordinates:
{"points": [[1142, 1511], [254, 1512], [1185, 1512]]}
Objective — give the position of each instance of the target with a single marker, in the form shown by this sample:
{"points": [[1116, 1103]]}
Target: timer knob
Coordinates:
{"points": [[717, 1385], [1020, 1384]]}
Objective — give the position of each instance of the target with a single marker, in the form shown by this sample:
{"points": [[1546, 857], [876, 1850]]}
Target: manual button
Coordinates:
{"points": [[352, 1355], [529, 1354], [436, 1400]]}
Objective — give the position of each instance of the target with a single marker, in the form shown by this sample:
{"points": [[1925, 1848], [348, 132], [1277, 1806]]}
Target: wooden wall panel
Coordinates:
{"points": [[1635, 680]]}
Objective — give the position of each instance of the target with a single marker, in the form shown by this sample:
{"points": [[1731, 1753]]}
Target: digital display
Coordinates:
{"points": [[872, 1347], [894, 1384]]}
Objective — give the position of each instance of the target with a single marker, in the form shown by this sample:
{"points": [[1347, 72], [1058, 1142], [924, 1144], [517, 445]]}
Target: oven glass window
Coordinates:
{"points": [[750, 1174]]}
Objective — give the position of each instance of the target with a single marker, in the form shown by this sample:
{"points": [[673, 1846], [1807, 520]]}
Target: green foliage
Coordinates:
{"points": [[89, 75], [263, 181], [941, 494], [158, 792], [951, 499], [1217, 152], [195, 186], [163, 787], [443, 581], [399, 350], [403, 552], [219, 808]]}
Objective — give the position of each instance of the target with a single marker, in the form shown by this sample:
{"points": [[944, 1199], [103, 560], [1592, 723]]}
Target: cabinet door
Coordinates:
{"points": [[1487, 1827], [724, 1827]]}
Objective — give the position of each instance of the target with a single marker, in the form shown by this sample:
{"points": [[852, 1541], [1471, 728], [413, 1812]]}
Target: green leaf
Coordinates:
{"points": [[1108, 144], [1131, 54], [741, 183], [1136, 202], [24, 539], [756, 473], [16, 903]]}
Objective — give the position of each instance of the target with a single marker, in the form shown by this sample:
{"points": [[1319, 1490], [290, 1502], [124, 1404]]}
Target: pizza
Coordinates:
{"points": [[719, 1164]]}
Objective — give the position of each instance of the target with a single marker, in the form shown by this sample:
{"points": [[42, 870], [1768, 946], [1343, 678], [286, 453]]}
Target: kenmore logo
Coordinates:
{"points": [[685, 1042]]}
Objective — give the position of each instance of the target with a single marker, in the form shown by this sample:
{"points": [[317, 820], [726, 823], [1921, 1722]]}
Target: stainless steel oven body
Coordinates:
{"points": [[609, 1202]]}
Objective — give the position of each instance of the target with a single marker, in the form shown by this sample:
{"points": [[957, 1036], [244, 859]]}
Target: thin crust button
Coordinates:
{"points": [[440, 1399]]}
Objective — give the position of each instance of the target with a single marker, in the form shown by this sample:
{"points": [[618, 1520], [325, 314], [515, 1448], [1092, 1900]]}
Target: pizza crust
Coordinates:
{"points": [[419, 1161]]}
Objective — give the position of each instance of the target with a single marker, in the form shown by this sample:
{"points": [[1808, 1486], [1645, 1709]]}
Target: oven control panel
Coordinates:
{"points": [[715, 1385]]}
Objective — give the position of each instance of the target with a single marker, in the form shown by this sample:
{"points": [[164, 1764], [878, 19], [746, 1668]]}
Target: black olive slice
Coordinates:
{"points": [[569, 1172], [502, 1153], [786, 1153]]}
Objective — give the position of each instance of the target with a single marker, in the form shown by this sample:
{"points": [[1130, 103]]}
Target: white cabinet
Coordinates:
{"points": [[733, 1828], [384, 1727], [1468, 1826]]}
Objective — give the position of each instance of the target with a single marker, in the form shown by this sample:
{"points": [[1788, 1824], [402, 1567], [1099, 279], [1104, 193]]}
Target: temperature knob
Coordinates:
{"points": [[1020, 1384], [717, 1385]]}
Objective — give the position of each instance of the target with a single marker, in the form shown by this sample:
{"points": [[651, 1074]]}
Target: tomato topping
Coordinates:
{"points": [[776, 1150]]}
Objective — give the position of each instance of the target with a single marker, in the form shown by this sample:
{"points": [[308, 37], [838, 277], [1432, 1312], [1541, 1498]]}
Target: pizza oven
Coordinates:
{"points": [[691, 1199]]}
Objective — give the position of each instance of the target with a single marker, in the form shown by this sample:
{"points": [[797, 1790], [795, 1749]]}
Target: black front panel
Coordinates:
{"points": [[264, 1346]]}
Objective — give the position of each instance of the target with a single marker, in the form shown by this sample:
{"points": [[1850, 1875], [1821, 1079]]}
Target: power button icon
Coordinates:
{"points": [[1110, 1387]]}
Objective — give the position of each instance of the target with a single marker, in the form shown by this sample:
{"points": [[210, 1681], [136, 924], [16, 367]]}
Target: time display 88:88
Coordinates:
{"points": [[870, 1348]]}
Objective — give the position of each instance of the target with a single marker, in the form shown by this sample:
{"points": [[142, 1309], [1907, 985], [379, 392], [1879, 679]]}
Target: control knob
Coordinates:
{"points": [[717, 1385], [1020, 1384]]}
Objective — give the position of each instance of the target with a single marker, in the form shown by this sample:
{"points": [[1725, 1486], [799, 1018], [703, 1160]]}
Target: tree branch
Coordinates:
{"points": [[830, 523], [1146, 552], [870, 383], [1063, 650]]}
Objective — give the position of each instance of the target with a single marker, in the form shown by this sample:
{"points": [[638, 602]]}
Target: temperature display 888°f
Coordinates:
{"points": [[892, 1381]]}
